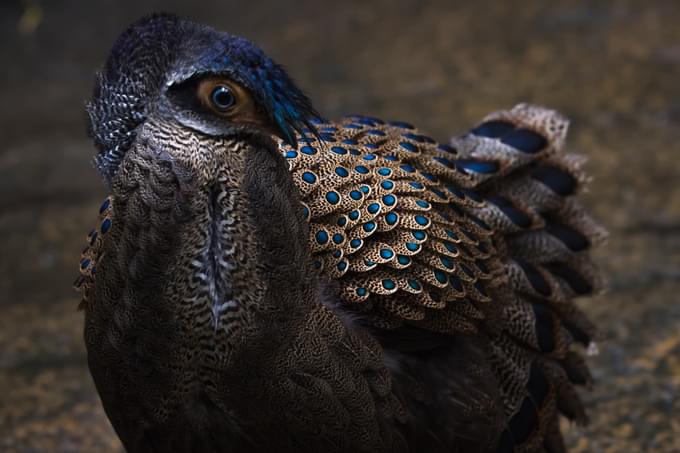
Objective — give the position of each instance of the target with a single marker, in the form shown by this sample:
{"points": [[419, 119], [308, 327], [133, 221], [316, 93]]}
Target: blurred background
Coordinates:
{"points": [[613, 67]]}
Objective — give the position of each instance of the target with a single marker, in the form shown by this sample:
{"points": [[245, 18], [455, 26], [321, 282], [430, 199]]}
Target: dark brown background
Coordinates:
{"points": [[612, 67]]}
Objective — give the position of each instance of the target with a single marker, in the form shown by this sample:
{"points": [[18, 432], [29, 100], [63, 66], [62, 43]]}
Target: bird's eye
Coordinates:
{"points": [[222, 98], [226, 99]]}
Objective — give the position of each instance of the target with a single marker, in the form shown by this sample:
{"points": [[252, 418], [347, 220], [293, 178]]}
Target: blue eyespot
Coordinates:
{"points": [[321, 237], [411, 136], [361, 292], [388, 284], [367, 122], [478, 166], [446, 262], [422, 220], [332, 197], [389, 199], [384, 171], [440, 276], [387, 185], [355, 194], [106, 225], [338, 150], [309, 177], [342, 172], [373, 208], [409, 147], [444, 161], [105, 206], [439, 193], [386, 254], [369, 226], [391, 218]]}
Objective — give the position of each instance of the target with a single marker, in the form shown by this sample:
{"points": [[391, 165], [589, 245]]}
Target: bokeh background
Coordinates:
{"points": [[613, 67]]}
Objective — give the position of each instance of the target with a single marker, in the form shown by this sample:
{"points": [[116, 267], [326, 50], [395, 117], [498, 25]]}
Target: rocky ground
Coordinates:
{"points": [[612, 67]]}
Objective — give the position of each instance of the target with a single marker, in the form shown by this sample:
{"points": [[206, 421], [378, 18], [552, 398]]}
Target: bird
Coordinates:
{"points": [[263, 279]]}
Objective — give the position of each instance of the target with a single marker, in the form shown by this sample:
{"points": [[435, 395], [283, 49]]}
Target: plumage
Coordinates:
{"points": [[265, 279]]}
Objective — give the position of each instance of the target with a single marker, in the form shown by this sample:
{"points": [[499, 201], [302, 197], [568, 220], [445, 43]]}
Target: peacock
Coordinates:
{"points": [[262, 279]]}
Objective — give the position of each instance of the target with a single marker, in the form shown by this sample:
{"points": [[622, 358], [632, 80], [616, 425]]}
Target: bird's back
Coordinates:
{"points": [[464, 260]]}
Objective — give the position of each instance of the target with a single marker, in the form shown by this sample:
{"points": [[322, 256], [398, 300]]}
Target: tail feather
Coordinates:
{"points": [[544, 237]]}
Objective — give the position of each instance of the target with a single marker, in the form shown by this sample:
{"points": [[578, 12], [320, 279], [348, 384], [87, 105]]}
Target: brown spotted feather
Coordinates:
{"points": [[480, 237]]}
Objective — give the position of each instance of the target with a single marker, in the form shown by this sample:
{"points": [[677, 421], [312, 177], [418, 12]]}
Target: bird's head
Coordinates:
{"points": [[183, 116], [191, 77]]}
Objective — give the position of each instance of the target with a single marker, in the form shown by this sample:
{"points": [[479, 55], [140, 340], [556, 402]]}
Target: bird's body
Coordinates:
{"points": [[349, 286]]}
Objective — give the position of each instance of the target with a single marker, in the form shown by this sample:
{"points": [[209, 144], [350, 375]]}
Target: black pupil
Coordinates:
{"points": [[222, 97]]}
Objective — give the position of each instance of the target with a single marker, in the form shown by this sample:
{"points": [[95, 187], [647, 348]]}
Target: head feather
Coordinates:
{"points": [[162, 49]]}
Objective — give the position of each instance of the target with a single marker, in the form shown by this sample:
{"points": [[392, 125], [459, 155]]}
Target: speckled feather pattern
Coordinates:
{"points": [[481, 236], [388, 217]]}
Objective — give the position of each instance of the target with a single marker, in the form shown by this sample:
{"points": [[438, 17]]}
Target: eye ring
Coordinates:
{"points": [[222, 98], [226, 99]]}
